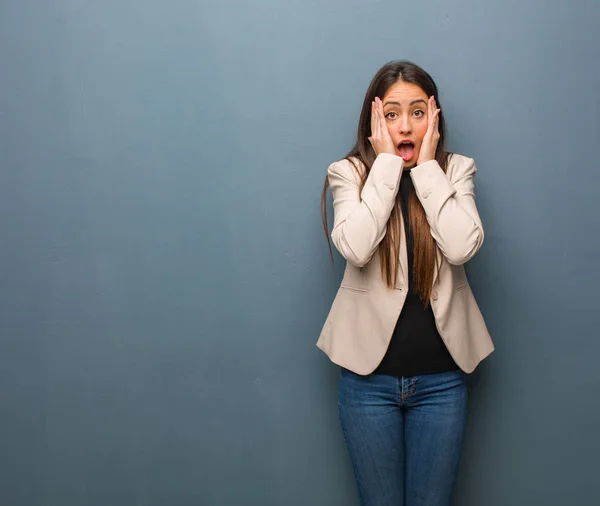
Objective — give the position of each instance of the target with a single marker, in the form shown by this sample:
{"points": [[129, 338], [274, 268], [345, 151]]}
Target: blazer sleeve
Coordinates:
{"points": [[360, 218], [450, 208]]}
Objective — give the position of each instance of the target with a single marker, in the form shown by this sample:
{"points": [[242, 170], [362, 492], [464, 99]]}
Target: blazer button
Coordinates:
{"points": [[434, 296], [426, 194]]}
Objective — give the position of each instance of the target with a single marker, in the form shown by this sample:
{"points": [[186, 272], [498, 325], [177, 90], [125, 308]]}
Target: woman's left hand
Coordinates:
{"points": [[432, 135]]}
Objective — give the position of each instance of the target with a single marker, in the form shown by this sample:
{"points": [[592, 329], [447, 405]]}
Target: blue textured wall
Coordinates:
{"points": [[163, 274]]}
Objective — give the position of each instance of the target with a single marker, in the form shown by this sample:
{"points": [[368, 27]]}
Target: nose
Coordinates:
{"points": [[404, 126]]}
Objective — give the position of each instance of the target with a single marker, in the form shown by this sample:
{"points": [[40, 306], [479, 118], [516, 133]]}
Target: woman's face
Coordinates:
{"points": [[405, 111]]}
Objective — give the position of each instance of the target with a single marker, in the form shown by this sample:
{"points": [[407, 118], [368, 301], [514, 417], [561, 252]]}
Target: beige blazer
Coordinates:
{"points": [[364, 313]]}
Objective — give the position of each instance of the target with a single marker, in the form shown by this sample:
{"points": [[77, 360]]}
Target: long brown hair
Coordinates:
{"points": [[389, 249]]}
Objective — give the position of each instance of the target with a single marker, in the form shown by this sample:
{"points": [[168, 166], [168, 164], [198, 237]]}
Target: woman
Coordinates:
{"points": [[404, 325]]}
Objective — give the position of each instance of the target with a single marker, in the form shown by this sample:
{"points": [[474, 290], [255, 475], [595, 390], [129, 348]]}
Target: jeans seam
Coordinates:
{"points": [[413, 387], [352, 463], [402, 398]]}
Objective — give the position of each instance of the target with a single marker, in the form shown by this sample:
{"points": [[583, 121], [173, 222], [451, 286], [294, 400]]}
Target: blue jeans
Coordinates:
{"points": [[404, 435]]}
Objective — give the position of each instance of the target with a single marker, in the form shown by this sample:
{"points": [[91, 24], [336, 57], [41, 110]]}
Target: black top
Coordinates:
{"points": [[416, 346]]}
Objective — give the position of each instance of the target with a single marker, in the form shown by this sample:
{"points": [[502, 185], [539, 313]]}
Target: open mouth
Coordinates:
{"points": [[406, 150]]}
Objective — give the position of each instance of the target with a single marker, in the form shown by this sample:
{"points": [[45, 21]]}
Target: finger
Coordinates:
{"points": [[430, 107], [430, 120], [380, 120], [373, 118], [374, 125], [382, 124], [436, 113]]}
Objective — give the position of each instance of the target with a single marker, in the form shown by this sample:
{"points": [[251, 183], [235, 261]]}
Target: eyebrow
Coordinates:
{"points": [[411, 104]]}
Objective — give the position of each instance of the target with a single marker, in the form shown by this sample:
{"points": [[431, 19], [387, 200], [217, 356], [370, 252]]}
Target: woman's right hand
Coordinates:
{"points": [[380, 137]]}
